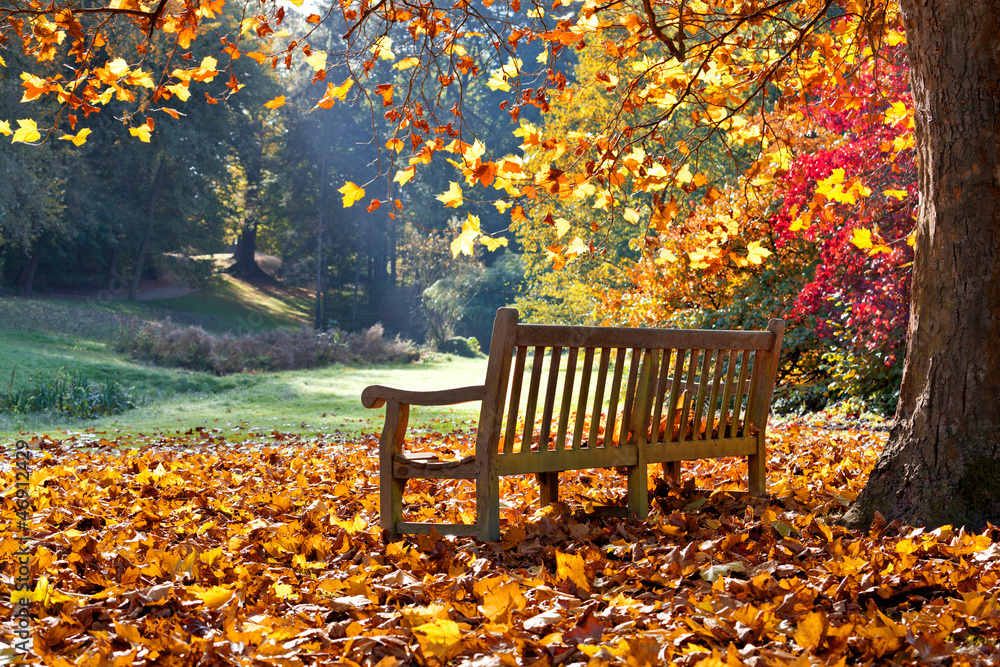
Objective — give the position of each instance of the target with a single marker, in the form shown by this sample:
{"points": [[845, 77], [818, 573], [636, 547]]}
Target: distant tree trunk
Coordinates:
{"points": [[245, 266], [941, 464], [26, 281], [147, 233], [319, 324]]}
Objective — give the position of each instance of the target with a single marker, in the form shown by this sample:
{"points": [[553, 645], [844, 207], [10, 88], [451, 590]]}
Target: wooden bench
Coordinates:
{"points": [[559, 398]]}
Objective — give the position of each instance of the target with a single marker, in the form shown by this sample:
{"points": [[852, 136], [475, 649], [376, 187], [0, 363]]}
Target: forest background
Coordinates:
{"points": [[813, 226]]}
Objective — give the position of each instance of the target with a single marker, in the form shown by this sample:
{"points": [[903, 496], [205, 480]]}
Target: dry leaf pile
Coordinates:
{"points": [[200, 551]]}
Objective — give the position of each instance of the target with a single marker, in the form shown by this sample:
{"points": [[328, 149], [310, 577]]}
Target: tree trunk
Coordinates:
{"points": [[147, 232], [26, 281], [246, 267], [941, 464]]}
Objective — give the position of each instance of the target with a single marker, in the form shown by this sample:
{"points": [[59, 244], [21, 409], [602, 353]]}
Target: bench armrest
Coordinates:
{"points": [[376, 395]]}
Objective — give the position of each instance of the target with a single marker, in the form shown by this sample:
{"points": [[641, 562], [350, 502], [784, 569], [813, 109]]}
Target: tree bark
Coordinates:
{"points": [[246, 267], [147, 232], [941, 463], [26, 281]]}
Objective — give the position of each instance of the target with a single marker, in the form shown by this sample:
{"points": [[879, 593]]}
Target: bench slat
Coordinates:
{"points": [[515, 400], [699, 404], [689, 394], [727, 392], [676, 395], [616, 387], [567, 398], [713, 397], [666, 452], [630, 391], [660, 394], [548, 335], [568, 459], [581, 404], [738, 425], [595, 416], [537, 359], [545, 428]]}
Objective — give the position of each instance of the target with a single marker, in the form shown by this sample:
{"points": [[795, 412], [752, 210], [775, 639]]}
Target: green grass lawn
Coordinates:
{"points": [[306, 401]]}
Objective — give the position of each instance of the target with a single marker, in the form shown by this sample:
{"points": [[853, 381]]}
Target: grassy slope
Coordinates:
{"points": [[44, 336]]}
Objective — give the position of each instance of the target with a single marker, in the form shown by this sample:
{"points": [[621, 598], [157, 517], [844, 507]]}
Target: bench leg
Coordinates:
{"points": [[672, 471], [548, 488], [757, 474], [638, 493], [391, 488]]}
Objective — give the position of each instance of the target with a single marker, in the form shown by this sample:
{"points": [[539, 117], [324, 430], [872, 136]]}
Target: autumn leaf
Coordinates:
{"points": [[439, 638], [492, 243], [143, 132], [757, 254], [5, 129], [453, 197], [277, 102], [27, 131], [572, 568], [79, 138], [351, 192], [464, 243]]}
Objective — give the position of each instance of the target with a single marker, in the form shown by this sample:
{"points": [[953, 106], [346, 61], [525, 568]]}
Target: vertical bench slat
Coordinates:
{"points": [[581, 405], [630, 392], [616, 387], [537, 359], [661, 395], [688, 393], [675, 395], [736, 427], [515, 400], [727, 392], [567, 398], [714, 396], [545, 428], [753, 395], [595, 415], [699, 404]]}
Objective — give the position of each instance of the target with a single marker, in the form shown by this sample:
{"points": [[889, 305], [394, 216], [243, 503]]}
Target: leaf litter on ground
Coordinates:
{"points": [[202, 549]]}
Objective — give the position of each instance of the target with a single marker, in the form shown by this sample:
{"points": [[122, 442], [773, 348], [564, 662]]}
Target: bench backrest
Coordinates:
{"points": [[571, 388]]}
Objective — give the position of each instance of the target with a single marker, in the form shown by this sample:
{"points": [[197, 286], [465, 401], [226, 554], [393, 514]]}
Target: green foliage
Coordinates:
{"points": [[463, 347], [72, 395]]}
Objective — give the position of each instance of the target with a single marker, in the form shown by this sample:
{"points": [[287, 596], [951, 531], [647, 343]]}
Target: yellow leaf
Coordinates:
{"points": [[181, 90], [407, 63], [756, 254], [334, 93], [438, 638], [5, 130], [571, 567], [317, 60], [278, 101], [143, 132], [118, 67], [453, 197], [128, 632], [297, 3], [493, 243], [213, 597], [78, 139], [403, 176], [811, 630], [862, 238], [283, 591], [631, 215], [352, 193], [463, 244], [499, 600], [898, 194], [577, 247], [562, 226], [27, 131]]}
